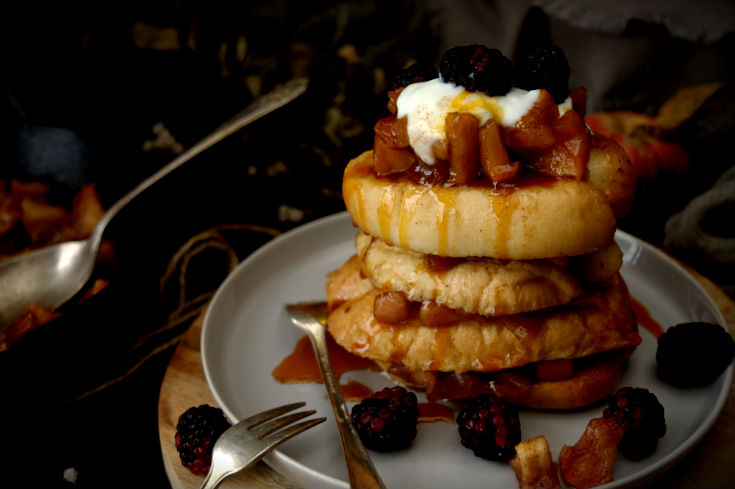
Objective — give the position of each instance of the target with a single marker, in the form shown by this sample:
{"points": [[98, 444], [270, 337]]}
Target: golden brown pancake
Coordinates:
{"points": [[479, 286], [550, 219], [596, 378], [599, 266], [599, 321]]}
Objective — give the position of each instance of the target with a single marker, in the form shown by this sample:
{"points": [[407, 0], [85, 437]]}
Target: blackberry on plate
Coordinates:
{"points": [[477, 68], [693, 354], [386, 421], [490, 427], [547, 68], [642, 417], [196, 432], [415, 73]]}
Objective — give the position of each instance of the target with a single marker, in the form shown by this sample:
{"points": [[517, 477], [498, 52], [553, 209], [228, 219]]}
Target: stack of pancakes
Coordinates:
{"points": [[466, 289]]}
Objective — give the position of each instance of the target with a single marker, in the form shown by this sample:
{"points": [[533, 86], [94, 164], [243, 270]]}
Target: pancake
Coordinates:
{"points": [[479, 286], [547, 219], [599, 266], [346, 283], [595, 378], [599, 321]]}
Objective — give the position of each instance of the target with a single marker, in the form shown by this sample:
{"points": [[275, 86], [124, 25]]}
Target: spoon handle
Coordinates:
{"points": [[264, 105], [360, 468]]}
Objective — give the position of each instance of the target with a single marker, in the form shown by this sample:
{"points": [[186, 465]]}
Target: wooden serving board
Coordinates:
{"points": [[711, 464], [184, 386]]}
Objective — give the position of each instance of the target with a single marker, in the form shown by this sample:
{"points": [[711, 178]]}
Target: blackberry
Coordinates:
{"points": [[477, 68], [490, 427], [546, 68], [693, 354], [386, 421], [415, 73], [642, 417], [197, 430]]}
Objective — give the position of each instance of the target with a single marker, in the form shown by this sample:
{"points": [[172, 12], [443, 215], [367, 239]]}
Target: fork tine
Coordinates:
{"points": [[259, 418], [278, 423], [279, 437]]}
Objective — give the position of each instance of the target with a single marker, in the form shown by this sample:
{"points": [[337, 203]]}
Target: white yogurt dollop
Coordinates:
{"points": [[426, 105]]}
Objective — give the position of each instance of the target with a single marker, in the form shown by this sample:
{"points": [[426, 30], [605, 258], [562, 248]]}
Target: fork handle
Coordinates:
{"points": [[360, 468]]}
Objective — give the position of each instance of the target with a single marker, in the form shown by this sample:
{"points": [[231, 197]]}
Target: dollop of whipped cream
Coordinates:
{"points": [[426, 105]]}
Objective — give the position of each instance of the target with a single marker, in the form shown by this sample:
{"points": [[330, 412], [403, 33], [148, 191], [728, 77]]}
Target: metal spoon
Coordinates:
{"points": [[312, 318], [54, 274]]}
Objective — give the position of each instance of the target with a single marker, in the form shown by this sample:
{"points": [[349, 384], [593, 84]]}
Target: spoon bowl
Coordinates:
{"points": [[52, 275]]}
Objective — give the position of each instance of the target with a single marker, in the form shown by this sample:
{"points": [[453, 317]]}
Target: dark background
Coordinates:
{"points": [[87, 89]]}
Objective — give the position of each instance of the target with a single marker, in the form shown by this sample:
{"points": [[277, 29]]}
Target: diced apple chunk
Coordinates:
{"points": [[533, 465], [569, 154], [493, 155], [392, 307], [391, 151], [533, 131], [590, 462], [464, 159]]}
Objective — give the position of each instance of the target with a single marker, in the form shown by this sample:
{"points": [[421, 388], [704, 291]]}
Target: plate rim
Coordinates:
{"points": [[280, 461]]}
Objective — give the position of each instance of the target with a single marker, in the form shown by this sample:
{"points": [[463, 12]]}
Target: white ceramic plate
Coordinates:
{"points": [[246, 334]]}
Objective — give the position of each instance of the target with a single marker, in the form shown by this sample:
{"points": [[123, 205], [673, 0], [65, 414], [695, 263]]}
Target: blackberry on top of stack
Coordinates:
{"points": [[485, 260]]}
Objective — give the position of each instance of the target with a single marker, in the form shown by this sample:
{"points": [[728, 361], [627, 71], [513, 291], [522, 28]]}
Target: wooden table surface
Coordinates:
{"points": [[711, 464]]}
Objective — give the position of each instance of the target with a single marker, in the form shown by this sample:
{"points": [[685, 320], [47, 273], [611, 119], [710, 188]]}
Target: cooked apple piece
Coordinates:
{"points": [[494, 157], [433, 314], [45, 223], [560, 369], [86, 211], [33, 316], [569, 154], [579, 101], [392, 104], [392, 307], [34, 190], [390, 149], [590, 462], [424, 174], [464, 159], [533, 132], [9, 211], [440, 264], [394, 130], [440, 149], [533, 465]]}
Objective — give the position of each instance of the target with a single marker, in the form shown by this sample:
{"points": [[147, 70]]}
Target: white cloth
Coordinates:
{"points": [[693, 20]]}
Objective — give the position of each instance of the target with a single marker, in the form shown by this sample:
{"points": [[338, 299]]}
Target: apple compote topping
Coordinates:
{"points": [[445, 131]]}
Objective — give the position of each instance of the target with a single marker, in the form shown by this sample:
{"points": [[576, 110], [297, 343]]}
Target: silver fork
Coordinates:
{"points": [[244, 443], [312, 318]]}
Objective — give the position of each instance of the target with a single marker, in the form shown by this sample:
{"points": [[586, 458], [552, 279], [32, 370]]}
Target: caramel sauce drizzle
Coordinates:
{"points": [[502, 208], [431, 412], [398, 352], [362, 345], [442, 339], [645, 319], [354, 391], [301, 366], [385, 211], [444, 203], [408, 211]]}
